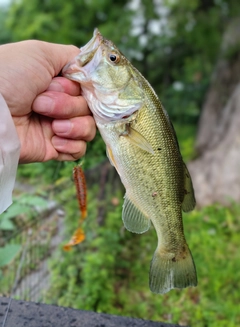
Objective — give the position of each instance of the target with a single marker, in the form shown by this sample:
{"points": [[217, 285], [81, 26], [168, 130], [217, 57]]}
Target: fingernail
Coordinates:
{"points": [[58, 142], [44, 104], [62, 126], [55, 86]]}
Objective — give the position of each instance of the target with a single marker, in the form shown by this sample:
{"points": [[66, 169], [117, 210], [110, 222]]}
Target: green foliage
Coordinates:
{"points": [[8, 252], [186, 138], [6, 35], [23, 208], [5, 219], [37, 172], [64, 22]]}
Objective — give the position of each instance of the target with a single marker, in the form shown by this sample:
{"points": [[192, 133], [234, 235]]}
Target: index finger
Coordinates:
{"points": [[62, 84]]}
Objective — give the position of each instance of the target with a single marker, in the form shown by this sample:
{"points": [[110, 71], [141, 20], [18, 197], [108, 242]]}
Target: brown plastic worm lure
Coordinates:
{"points": [[81, 191]]}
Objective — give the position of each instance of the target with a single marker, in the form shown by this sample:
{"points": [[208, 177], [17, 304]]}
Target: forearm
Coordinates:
{"points": [[9, 155]]}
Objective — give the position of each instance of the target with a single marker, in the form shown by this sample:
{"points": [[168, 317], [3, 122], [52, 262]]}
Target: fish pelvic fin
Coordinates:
{"points": [[133, 218], [189, 201], [168, 272], [111, 157]]}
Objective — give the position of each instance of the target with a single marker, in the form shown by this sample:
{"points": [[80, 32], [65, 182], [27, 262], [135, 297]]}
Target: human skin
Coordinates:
{"points": [[51, 117]]}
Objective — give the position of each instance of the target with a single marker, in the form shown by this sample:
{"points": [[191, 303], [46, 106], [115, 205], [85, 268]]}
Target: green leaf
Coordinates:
{"points": [[14, 210], [33, 200], [6, 224], [8, 253]]}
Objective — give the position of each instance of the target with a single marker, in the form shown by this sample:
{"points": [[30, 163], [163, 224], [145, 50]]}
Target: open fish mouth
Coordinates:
{"points": [[110, 97], [86, 54]]}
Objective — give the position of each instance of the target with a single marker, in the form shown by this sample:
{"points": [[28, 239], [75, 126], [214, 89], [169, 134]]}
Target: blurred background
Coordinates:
{"points": [[190, 52]]}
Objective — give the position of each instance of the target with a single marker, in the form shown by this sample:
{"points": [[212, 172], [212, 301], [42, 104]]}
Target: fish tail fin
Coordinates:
{"points": [[177, 272]]}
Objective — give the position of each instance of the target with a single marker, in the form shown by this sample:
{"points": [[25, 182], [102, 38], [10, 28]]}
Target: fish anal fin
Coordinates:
{"points": [[189, 201], [133, 218], [168, 272], [137, 139]]}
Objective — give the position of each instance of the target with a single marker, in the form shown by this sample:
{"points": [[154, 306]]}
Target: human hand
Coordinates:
{"points": [[51, 117]]}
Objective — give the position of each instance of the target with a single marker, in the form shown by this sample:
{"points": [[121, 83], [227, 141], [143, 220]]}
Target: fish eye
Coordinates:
{"points": [[114, 57]]}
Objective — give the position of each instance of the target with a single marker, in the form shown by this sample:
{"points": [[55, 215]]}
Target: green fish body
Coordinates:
{"points": [[142, 146]]}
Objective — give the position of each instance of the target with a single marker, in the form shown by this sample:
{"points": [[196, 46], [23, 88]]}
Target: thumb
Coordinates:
{"points": [[58, 55]]}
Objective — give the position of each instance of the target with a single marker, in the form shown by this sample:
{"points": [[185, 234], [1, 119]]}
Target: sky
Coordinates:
{"points": [[4, 2]]}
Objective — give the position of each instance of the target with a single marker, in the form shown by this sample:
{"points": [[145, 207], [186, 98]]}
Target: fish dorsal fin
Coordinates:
{"points": [[189, 201], [138, 139], [133, 218]]}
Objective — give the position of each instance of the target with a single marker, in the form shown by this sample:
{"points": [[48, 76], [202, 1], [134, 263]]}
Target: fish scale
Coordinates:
{"points": [[142, 145]]}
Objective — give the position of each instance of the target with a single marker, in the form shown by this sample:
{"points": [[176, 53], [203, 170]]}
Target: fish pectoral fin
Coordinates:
{"points": [[133, 218], [138, 139], [170, 272], [189, 201]]}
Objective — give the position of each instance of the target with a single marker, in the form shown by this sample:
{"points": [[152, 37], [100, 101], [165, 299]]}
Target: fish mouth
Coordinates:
{"points": [[73, 70]]}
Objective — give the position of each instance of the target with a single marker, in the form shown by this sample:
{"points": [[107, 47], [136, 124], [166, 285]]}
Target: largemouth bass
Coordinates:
{"points": [[142, 146]]}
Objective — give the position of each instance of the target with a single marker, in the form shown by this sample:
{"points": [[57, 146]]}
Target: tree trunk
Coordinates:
{"points": [[216, 172]]}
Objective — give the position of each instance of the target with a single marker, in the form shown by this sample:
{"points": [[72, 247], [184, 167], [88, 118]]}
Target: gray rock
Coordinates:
{"points": [[30, 314]]}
